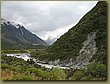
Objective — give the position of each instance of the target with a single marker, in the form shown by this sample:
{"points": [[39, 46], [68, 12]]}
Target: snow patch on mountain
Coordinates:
{"points": [[3, 22], [22, 31]]}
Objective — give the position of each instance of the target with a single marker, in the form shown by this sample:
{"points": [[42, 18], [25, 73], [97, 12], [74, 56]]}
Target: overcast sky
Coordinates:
{"points": [[47, 19]]}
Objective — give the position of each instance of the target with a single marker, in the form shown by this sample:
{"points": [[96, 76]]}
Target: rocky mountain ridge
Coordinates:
{"points": [[16, 35]]}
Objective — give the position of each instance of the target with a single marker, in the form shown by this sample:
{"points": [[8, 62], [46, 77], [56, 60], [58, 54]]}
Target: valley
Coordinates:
{"points": [[27, 56], [21, 66], [79, 54]]}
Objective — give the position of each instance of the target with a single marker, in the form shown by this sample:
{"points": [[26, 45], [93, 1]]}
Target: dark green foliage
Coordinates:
{"points": [[22, 77], [40, 54], [6, 66], [69, 44], [96, 70], [93, 71], [57, 74], [14, 51], [78, 75], [5, 45]]}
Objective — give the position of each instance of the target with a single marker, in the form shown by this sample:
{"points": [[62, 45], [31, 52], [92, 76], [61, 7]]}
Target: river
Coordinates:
{"points": [[27, 56]]}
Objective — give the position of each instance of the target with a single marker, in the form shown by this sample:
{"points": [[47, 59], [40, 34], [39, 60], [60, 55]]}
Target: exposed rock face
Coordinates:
{"points": [[85, 54]]}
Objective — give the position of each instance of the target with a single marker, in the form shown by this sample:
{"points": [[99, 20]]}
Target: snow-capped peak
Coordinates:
{"points": [[16, 25], [3, 21]]}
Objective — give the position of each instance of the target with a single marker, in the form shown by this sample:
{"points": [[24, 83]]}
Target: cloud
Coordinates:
{"points": [[47, 19], [55, 33]]}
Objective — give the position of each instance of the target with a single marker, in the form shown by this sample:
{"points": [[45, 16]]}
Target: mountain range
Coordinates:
{"points": [[15, 36]]}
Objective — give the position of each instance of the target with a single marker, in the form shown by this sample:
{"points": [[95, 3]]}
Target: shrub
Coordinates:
{"points": [[78, 75]]}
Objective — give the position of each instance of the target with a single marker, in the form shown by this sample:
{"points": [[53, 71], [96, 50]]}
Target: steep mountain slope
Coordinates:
{"points": [[15, 35], [85, 42]]}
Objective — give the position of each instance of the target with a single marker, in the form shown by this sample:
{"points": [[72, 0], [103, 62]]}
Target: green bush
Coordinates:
{"points": [[78, 75], [6, 66], [96, 70], [24, 77]]}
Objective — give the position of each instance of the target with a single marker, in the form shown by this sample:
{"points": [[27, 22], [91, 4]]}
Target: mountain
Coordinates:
{"points": [[79, 54], [50, 41], [84, 43], [14, 35]]}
